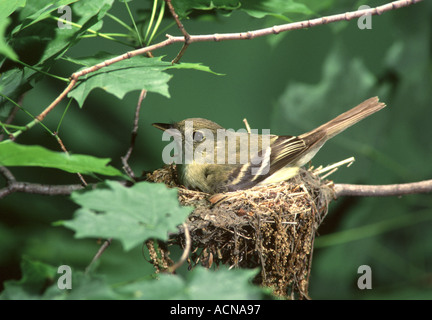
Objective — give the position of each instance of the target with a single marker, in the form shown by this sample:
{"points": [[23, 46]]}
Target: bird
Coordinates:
{"points": [[213, 159]]}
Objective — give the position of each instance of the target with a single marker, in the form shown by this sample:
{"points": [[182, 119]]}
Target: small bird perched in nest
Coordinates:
{"points": [[214, 160]]}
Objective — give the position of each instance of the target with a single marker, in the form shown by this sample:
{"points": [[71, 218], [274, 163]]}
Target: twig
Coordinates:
{"points": [[42, 116], [62, 146], [99, 253], [36, 188], [228, 36], [247, 125], [5, 172], [186, 251], [134, 134], [299, 25], [75, 76], [10, 118], [333, 167], [382, 190], [182, 30]]}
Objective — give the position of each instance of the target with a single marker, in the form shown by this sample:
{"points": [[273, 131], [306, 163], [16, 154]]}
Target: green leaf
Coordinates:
{"points": [[9, 7], [200, 284], [13, 83], [95, 9], [4, 48], [6, 9], [36, 31], [36, 276], [123, 77], [13, 154], [90, 15], [183, 8], [277, 8], [281, 9], [91, 60], [39, 281], [131, 215], [88, 287], [36, 11], [37, 44], [194, 66], [39, 10], [128, 75]]}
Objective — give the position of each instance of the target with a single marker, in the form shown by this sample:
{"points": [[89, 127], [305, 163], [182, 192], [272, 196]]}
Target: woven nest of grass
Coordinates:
{"points": [[270, 227]]}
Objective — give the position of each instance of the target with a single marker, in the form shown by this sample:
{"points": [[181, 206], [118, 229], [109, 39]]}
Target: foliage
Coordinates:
{"points": [[39, 282], [130, 215], [13, 154], [290, 82]]}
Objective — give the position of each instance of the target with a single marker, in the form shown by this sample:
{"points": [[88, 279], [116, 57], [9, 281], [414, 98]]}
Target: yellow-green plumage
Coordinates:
{"points": [[276, 158]]}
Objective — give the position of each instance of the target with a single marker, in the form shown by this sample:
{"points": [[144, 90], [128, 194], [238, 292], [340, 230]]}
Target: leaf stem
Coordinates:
{"points": [[29, 125], [134, 24], [151, 21], [42, 72], [63, 115], [158, 22], [120, 22], [4, 127], [93, 32]]}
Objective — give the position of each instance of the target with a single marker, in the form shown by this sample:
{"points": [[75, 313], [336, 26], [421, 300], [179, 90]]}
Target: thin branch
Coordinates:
{"points": [[36, 188], [134, 134], [10, 118], [382, 190], [182, 30], [5, 172], [185, 252], [58, 99], [62, 146], [101, 250], [75, 76], [248, 128], [333, 167], [299, 25], [228, 36]]}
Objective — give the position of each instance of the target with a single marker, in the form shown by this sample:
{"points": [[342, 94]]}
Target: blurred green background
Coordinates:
{"points": [[289, 83]]}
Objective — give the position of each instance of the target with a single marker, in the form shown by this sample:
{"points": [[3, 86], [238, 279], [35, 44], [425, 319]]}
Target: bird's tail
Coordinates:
{"points": [[346, 119]]}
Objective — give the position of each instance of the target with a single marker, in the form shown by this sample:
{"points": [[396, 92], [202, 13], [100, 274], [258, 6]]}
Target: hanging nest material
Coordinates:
{"points": [[270, 227]]}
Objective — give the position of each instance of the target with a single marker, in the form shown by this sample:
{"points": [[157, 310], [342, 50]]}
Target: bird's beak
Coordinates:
{"points": [[162, 126]]}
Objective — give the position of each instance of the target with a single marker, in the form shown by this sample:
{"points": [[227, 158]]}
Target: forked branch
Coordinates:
{"points": [[188, 39]]}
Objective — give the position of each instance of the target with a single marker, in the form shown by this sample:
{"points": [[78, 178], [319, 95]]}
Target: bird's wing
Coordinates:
{"points": [[282, 151]]}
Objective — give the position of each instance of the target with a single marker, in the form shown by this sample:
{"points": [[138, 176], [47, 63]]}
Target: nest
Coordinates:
{"points": [[271, 227]]}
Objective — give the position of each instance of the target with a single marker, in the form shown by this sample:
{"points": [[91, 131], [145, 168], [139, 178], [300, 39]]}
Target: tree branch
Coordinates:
{"points": [[63, 147], [227, 36], [134, 134], [14, 186], [36, 188], [299, 25], [182, 30], [186, 250], [98, 254], [382, 190]]}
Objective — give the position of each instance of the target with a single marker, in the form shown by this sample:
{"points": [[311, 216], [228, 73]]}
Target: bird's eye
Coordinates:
{"points": [[198, 136]]}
